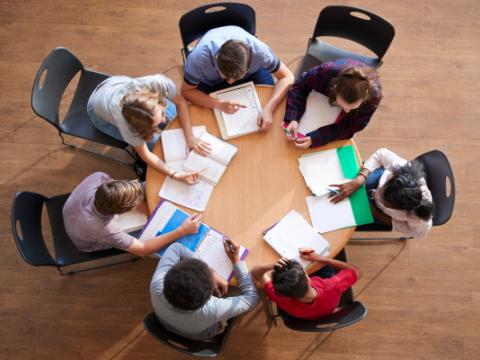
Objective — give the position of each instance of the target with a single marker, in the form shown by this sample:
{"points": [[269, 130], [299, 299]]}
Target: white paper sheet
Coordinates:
{"points": [[208, 169], [326, 216], [174, 144], [293, 232], [318, 113]]}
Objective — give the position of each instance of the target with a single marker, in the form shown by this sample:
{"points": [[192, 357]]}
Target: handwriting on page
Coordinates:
{"points": [[245, 119]]}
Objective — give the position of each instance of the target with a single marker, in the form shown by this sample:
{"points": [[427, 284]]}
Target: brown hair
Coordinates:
{"points": [[118, 196], [233, 59], [353, 84], [138, 109]]}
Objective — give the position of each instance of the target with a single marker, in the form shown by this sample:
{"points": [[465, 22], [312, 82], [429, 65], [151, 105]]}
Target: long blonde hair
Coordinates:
{"points": [[138, 109]]}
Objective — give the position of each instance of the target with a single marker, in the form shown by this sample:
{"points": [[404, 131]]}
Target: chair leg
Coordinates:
{"points": [[73, 272], [74, 147], [401, 238]]}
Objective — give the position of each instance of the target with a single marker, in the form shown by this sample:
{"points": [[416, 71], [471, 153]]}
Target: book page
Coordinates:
{"points": [[174, 143], [208, 169], [212, 251], [293, 232], [327, 216], [131, 220], [194, 196], [222, 151], [320, 170], [158, 220], [244, 121], [318, 113]]}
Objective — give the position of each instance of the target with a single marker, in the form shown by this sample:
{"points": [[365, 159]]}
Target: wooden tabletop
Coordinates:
{"points": [[261, 185]]}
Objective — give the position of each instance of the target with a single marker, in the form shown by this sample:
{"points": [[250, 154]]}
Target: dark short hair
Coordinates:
{"points": [[403, 192], [290, 280], [188, 284], [233, 59]]}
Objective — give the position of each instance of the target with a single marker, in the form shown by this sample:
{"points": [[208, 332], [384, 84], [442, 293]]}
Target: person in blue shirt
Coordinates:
{"points": [[228, 56]]}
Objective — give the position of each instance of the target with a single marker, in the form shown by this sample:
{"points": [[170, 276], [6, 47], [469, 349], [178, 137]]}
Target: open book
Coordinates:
{"points": [[211, 168], [293, 232], [207, 242], [243, 121]]}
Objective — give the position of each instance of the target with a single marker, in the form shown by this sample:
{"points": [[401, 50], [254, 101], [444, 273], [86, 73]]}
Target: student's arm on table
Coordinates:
{"points": [[309, 254], [193, 143], [285, 79], [189, 226], [154, 161]]}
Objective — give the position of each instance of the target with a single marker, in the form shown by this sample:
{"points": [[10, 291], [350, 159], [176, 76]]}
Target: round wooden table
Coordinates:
{"points": [[260, 186]]}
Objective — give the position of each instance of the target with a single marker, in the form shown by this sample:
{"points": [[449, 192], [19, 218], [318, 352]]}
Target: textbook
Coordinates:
{"points": [[293, 232], [334, 166], [207, 242], [210, 168], [244, 120]]}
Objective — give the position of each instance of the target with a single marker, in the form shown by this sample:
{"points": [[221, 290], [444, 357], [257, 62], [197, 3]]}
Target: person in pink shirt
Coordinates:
{"points": [[288, 285]]}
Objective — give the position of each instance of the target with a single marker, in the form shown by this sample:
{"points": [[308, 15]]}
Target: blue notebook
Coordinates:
{"points": [[189, 241]]}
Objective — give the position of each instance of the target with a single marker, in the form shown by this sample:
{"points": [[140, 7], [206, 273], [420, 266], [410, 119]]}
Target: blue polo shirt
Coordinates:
{"points": [[201, 66]]}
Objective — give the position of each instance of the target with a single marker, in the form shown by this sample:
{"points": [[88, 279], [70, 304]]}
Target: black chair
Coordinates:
{"points": [[197, 22], [348, 313], [51, 80], [208, 348], [26, 222], [439, 173], [358, 25]]}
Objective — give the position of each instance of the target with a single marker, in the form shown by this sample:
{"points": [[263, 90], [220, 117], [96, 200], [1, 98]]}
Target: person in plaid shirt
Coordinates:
{"points": [[349, 84]]}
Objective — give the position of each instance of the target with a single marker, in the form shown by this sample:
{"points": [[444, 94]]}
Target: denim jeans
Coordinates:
{"points": [[261, 77]]}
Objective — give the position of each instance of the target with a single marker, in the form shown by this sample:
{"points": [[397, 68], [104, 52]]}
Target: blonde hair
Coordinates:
{"points": [[138, 109], [118, 196]]}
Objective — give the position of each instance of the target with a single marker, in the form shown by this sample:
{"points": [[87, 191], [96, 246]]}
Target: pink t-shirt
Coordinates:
{"points": [[329, 292], [89, 229]]}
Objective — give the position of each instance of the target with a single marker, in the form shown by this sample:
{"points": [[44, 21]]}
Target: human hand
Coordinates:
{"points": [[281, 264], [291, 130], [303, 143], [201, 147], [232, 249], [189, 178], [345, 190], [307, 253], [191, 224], [230, 107], [265, 120], [220, 285]]}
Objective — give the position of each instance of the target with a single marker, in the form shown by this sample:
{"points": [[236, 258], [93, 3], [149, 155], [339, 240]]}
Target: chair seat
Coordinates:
{"points": [[374, 227], [77, 123], [319, 52]]}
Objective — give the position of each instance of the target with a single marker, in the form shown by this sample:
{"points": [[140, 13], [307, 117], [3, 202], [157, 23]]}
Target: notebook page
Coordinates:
{"points": [[158, 220], [212, 251], [293, 232], [192, 196], [318, 113], [327, 216], [208, 169], [174, 143], [222, 151], [244, 120], [320, 170], [131, 220]]}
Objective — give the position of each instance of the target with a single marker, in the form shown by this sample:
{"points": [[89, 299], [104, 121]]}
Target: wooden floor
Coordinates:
{"points": [[423, 297]]}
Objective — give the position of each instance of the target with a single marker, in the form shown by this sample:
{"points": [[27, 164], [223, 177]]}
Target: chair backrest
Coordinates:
{"points": [[209, 348], [361, 26], [346, 316], [439, 173], [26, 222], [51, 80], [197, 22]]}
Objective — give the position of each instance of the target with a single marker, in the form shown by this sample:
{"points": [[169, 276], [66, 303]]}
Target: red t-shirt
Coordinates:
{"points": [[329, 292]]}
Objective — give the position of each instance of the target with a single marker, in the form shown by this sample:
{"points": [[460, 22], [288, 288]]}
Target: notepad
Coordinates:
{"points": [[243, 121], [293, 232], [335, 166], [318, 113], [210, 168], [131, 221], [207, 242]]}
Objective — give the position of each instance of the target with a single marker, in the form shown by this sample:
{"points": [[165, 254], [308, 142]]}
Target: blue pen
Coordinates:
{"points": [[333, 191]]}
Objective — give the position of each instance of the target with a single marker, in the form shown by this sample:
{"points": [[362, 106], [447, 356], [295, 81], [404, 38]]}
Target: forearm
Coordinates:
{"points": [[279, 92], [184, 116], [258, 271], [154, 161], [199, 98], [153, 245]]}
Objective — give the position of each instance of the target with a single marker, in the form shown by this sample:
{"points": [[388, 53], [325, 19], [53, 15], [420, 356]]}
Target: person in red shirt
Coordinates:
{"points": [[287, 284]]}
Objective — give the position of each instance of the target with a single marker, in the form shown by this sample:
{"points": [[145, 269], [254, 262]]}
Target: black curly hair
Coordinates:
{"points": [[290, 280]]}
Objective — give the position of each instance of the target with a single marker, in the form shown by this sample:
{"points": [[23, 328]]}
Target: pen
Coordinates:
{"points": [[333, 191], [231, 248]]}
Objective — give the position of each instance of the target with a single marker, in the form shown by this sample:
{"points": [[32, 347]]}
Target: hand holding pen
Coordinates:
{"points": [[232, 249], [343, 191]]}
